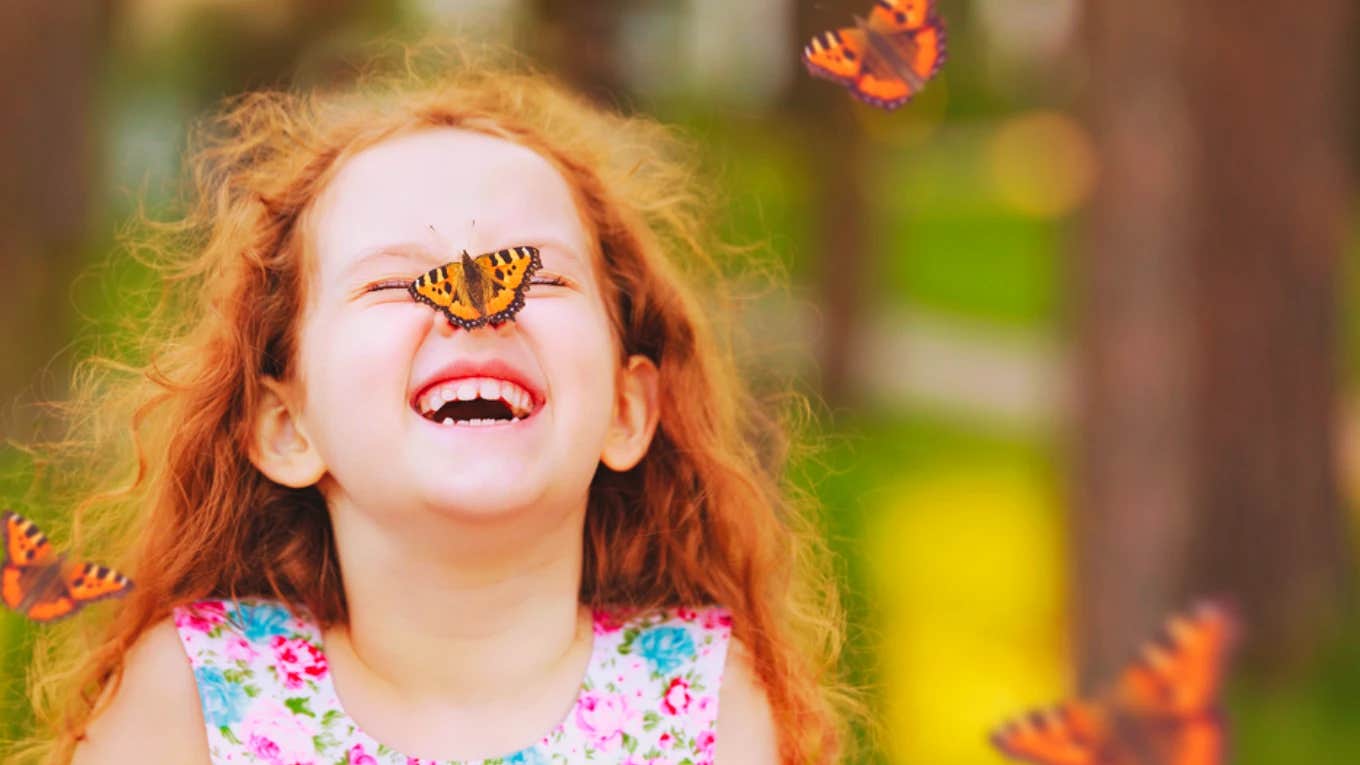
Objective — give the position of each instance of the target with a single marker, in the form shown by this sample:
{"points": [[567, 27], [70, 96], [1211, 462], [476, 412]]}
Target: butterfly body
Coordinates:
{"points": [[1162, 711], [885, 59], [45, 586], [487, 289]]}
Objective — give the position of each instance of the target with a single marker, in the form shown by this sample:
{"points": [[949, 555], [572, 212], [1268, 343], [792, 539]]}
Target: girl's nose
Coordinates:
{"points": [[442, 325]]}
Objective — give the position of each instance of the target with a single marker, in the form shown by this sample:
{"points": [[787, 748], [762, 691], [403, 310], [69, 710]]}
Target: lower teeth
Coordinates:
{"points": [[473, 423]]}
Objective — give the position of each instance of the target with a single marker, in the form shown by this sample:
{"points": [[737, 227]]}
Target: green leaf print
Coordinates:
{"points": [[629, 635], [650, 721], [325, 741], [298, 706]]}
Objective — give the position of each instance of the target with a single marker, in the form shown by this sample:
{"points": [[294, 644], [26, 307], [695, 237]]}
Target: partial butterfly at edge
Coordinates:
{"points": [[1163, 709], [42, 585]]}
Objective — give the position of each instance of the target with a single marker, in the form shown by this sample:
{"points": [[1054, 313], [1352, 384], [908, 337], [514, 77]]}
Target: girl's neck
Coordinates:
{"points": [[465, 623]]}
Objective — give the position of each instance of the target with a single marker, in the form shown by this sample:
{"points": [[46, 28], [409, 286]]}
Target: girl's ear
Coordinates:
{"points": [[635, 414], [281, 449]]}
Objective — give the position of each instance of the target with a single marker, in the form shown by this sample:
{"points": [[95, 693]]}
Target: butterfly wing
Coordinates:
{"points": [[28, 555], [899, 63], [1199, 742], [445, 289], [505, 279], [1074, 733], [837, 56], [1179, 673], [60, 590], [1163, 710], [25, 544], [901, 15], [1168, 697], [51, 605], [434, 288]]}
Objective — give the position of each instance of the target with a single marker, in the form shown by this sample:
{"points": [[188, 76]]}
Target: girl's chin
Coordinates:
{"points": [[492, 491]]}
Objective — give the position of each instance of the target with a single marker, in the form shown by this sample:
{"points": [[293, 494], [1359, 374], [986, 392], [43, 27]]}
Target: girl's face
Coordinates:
{"points": [[372, 361]]}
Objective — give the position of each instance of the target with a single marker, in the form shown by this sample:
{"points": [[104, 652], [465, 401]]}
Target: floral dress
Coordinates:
{"points": [[649, 696]]}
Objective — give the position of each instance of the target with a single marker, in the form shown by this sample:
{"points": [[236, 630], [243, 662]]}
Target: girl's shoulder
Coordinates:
{"points": [[152, 713]]}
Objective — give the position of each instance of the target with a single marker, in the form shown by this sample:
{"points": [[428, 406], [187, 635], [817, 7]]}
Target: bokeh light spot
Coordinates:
{"points": [[1042, 164]]}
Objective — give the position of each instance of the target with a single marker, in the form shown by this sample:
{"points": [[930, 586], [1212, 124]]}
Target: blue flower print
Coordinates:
{"points": [[262, 621], [223, 701], [530, 756], [666, 647]]}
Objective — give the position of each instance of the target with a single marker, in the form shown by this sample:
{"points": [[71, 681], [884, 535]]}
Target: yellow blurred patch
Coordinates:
{"points": [[1043, 164], [967, 578]]}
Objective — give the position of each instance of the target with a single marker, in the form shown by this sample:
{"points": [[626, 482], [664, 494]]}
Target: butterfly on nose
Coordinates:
{"points": [[472, 292]]}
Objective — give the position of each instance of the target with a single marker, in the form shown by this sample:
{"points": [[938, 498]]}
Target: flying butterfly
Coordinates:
{"points": [[1163, 710], [886, 59], [44, 586], [487, 289]]}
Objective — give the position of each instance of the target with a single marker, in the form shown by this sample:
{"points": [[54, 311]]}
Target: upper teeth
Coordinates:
{"points": [[520, 401]]}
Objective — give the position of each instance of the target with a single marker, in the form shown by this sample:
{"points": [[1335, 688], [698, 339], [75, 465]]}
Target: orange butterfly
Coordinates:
{"points": [[1163, 711], [885, 60], [42, 585], [487, 289]]}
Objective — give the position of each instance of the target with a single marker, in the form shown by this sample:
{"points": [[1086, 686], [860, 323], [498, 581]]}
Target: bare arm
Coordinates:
{"points": [[746, 734], [154, 716]]}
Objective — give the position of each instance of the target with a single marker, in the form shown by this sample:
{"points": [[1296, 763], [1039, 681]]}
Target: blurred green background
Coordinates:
{"points": [[1080, 321]]}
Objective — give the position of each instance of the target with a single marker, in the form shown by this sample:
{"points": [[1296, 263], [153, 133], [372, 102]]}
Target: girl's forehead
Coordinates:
{"points": [[452, 189]]}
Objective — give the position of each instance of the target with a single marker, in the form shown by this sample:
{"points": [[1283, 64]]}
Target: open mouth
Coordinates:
{"points": [[475, 402]]}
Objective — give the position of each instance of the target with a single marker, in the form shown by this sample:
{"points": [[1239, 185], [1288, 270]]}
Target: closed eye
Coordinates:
{"points": [[550, 279], [389, 284]]}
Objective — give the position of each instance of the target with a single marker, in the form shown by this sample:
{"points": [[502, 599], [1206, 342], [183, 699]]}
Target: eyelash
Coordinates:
{"points": [[393, 284]]}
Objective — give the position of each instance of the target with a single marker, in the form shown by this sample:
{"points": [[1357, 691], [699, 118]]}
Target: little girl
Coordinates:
{"points": [[362, 534]]}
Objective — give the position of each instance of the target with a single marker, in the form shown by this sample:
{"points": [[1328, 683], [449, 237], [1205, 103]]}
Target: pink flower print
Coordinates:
{"points": [[602, 717], [238, 649], [277, 736], [717, 618], [606, 622], [704, 741], [357, 756], [688, 614], [666, 741], [297, 659], [676, 698], [201, 617], [706, 710]]}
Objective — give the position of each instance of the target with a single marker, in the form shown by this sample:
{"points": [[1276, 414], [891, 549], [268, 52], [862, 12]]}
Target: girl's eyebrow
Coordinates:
{"points": [[400, 251], [418, 251]]}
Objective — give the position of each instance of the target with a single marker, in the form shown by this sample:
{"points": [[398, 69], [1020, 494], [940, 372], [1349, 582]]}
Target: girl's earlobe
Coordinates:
{"points": [[280, 448], [636, 413]]}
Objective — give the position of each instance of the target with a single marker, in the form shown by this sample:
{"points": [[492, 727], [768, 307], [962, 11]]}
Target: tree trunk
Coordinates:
{"points": [[580, 41], [1271, 224], [52, 54], [1207, 322], [842, 257]]}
